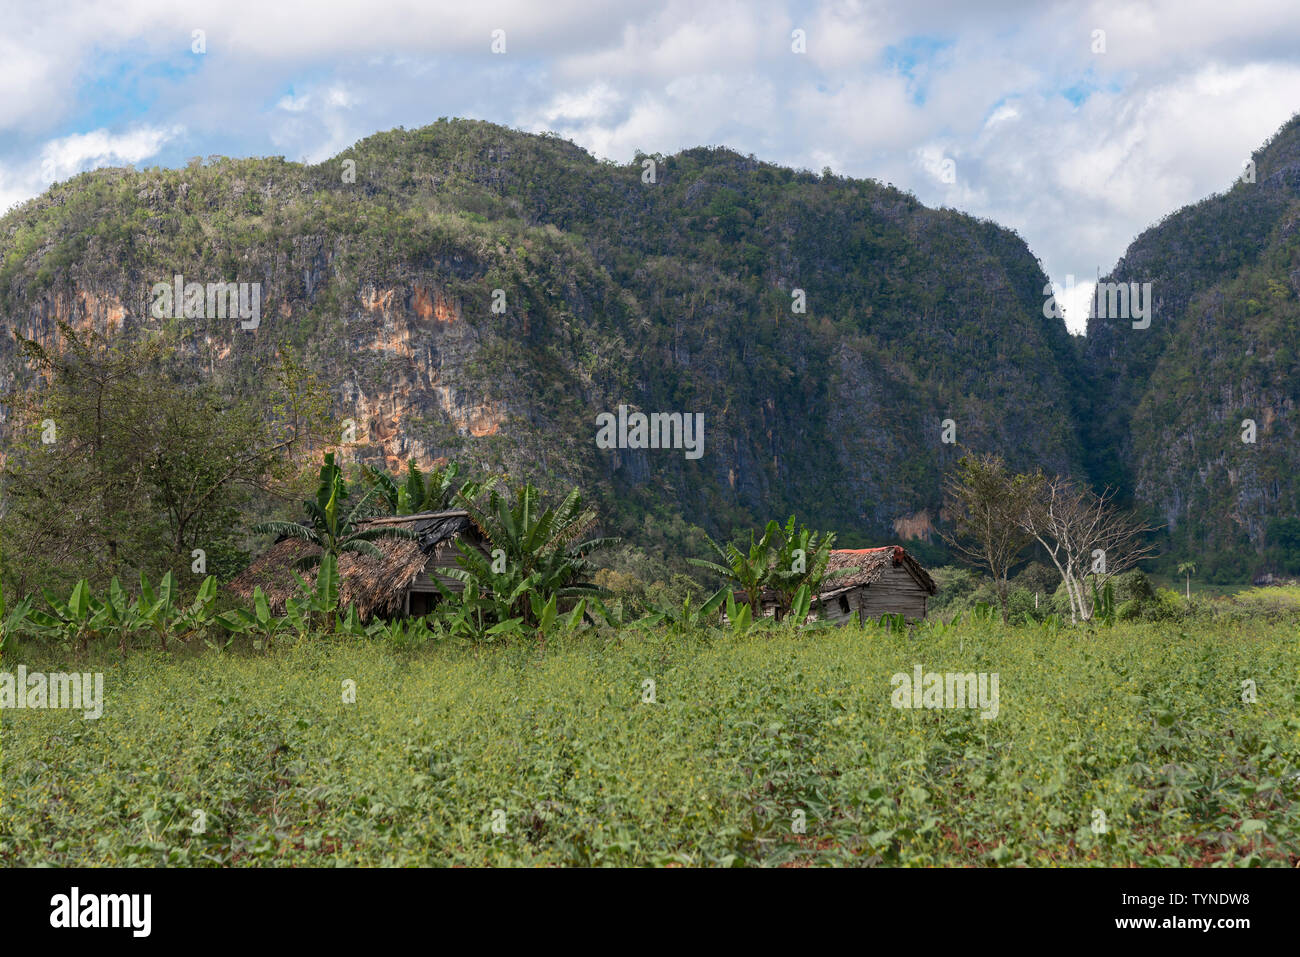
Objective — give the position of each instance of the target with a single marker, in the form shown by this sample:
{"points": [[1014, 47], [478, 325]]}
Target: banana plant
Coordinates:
{"points": [[331, 526], [297, 616], [420, 492], [71, 620], [800, 605], [749, 572], [406, 633], [321, 601], [197, 617], [1104, 605], [800, 558], [119, 615], [493, 596], [260, 624], [542, 547], [616, 616], [690, 618], [461, 616], [156, 609], [351, 624], [506, 629], [574, 621], [741, 618], [14, 621], [545, 614], [895, 622]]}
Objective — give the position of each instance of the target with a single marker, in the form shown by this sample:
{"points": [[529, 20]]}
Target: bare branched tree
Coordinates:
{"points": [[1087, 537]]}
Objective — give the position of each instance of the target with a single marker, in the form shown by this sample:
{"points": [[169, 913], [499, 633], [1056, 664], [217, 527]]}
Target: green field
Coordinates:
{"points": [[1144, 723]]}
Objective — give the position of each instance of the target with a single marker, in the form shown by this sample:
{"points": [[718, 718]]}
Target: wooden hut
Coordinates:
{"points": [[399, 584], [888, 581]]}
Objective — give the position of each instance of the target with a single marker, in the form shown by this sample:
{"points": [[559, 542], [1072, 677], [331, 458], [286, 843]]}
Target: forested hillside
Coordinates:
{"points": [[469, 292], [378, 268], [1170, 403]]}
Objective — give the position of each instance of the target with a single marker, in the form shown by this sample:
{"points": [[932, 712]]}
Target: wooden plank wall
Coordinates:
{"points": [[830, 610], [894, 592], [444, 556]]}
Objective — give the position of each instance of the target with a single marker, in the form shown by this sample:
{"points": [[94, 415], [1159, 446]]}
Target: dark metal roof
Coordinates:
{"points": [[433, 528]]}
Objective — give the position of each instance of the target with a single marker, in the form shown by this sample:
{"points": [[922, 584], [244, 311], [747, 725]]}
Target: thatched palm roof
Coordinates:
{"points": [[374, 586], [871, 563]]}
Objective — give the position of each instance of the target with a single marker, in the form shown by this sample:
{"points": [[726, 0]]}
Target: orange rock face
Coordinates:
{"points": [[434, 305], [919, 525]]}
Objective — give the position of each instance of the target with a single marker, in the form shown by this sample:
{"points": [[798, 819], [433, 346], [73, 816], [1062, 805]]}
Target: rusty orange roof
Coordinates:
{"points": [[870, 564]]}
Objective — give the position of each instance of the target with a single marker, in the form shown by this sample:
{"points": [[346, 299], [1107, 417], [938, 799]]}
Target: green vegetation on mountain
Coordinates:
{"points": [[1169, 403], [667, 296], [471, 293]]}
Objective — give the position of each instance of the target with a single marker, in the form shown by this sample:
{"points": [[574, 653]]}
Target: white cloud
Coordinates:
{"points": [[70, 155], [293, 104], [65, 157], [1185, 90], [595, 104]]}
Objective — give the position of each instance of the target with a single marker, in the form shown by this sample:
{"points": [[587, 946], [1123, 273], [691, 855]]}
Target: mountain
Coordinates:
{"points": [[670, 292], [1167, 405]]}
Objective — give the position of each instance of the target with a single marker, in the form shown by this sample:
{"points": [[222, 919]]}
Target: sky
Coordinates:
{"points": [[1077, 124]]}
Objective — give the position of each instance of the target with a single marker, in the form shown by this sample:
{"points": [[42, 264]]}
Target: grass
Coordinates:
{"points": [[1199, 589], [746, 736]]}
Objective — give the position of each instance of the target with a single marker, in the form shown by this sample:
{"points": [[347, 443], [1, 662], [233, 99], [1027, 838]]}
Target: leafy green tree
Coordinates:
{"points": [[990, 509], [120, 464], [331, 528], [536, 553], [435, 491]]}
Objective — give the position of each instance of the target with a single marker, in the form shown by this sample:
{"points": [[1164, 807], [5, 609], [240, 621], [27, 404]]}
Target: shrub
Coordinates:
{"points": [[1037, 577]]}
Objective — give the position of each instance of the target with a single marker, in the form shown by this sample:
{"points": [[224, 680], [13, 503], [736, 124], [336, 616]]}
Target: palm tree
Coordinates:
{"points": [[749, 572], [434, 491], [534, 551], [1188, 568], [330, 530]]}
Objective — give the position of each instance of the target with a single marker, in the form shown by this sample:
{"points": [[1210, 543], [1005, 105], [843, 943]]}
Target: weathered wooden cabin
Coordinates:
{"points": [[399, 585], [888, 581]]}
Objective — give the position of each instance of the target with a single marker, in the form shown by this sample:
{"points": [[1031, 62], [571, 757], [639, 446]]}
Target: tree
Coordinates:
{"points": [[988, 506], [434, 492], [746, 570], [1087, 537], [299, 403], [121, 464], [536, 554], [331, 529], [1188, 568], [780, 562], [799, 563]]}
